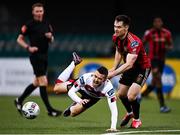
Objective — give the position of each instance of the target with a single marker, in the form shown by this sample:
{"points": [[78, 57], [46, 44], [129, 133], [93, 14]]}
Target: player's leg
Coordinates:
{"points": [[133, 93], [44, 96], [122, 94], [28, 90], [160, 96], [125, 82], [76, 108], [152, 85], [62, 81]]}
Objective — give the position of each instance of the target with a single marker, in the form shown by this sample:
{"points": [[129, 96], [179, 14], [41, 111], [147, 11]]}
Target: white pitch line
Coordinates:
{"points": [[144, 131]]}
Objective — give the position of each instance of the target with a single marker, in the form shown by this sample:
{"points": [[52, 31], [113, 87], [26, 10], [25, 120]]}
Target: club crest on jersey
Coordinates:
{"points": [[134, 44]]}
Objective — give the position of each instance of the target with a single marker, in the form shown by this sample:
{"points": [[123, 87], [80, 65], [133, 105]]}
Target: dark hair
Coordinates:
{"points": [[124, 18], [37, 5], [103, 70]]}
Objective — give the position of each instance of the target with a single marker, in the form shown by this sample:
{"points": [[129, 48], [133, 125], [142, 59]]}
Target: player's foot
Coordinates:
{"points": [[126, 119], [18, 105], [54, 113], [136, 123], [77, 59], [165, 109], [67, 112]]}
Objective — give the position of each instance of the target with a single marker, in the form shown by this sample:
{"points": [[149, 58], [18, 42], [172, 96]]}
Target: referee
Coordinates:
{"points": [[40, 34]]}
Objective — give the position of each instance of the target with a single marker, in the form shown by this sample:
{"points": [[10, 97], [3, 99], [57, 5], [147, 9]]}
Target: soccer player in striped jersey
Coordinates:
{"points": [[134, 70], [160, 41]]}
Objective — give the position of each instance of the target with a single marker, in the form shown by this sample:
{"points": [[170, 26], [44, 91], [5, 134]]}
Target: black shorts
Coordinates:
{"points": [[135, 75], [39, 63], [92, 100], [158, 64]]}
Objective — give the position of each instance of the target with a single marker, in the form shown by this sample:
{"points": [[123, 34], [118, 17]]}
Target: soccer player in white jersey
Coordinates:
{"points": [[92, 87]]}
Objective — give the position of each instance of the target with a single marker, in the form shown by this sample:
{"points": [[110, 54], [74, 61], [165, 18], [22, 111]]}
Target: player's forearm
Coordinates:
{"points": [[117, 61], [114, 114], [72, 94], [123, 68], [52, 39], [21, 42]]}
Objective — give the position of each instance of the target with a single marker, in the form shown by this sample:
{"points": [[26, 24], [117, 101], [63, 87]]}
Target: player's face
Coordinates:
{"points": [[38, 13], [98, 79], [158, 23], [120, 29]]}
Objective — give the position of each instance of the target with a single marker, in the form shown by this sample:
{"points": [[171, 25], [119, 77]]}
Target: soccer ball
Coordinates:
{"points": [[30, 110]]}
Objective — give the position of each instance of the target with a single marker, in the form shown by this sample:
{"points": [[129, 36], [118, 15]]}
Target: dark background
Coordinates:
{"points": [[74, 16]]}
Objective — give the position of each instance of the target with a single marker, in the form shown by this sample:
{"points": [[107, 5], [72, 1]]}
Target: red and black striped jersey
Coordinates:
{"points": [[133, 45], [157, 39]]}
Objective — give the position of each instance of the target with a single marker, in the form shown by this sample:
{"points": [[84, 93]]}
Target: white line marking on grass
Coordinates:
{"points": [[144, 131]]}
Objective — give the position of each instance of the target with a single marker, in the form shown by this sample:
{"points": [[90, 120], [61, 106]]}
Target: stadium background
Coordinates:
{"points": [[85, 27]]}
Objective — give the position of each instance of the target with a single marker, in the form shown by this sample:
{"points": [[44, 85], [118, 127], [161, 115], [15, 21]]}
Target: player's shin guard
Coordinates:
{"points": [[126, 104], [136, 107], [44, 97], [160, 97], [29, 89]]}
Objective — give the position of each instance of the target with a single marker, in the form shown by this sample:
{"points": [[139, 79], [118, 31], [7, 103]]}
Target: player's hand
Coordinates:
{"points": [[48, 35], [112, 130], [32, 49], [84, 101], [110, 75]]}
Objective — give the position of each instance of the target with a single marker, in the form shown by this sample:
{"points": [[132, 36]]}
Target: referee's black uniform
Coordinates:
{"points": [[35, 31]]}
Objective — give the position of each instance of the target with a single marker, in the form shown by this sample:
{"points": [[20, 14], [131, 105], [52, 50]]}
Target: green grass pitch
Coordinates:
{"points": [[93, 121]]}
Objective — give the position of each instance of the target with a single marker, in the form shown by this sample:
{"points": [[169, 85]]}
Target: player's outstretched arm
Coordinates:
{"points": [[114, 112]]}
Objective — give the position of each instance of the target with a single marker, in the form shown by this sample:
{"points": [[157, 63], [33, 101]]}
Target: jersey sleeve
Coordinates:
{"points": [[169, 39], [114, 113], [82, 80], [24, 29], [72, 94], [110, 92], [135, 47], [146, 36]]}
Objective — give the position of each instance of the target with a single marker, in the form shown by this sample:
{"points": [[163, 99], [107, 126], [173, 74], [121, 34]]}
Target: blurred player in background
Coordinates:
{"points": [[135, 69], [92, 87], [40, 33], [159, 40]]}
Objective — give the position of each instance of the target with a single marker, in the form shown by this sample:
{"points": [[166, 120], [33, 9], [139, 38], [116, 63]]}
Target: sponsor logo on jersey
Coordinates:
{"points": [[134, 44]]}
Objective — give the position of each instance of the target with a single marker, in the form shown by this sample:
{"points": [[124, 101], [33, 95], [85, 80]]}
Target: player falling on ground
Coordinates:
{"points": [[92, 87]]}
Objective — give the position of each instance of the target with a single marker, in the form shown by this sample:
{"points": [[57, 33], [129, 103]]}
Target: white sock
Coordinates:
{"points": [[130, 113], [64, 76]]}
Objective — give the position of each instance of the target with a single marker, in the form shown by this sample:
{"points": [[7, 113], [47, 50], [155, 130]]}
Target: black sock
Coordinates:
{"points": [[29, 89], [136, 107], [160, 96], [148, 90], [44, 97], [126, 104]]}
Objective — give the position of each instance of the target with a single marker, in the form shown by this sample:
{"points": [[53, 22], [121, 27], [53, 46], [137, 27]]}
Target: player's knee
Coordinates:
{"points": [[121, 95], [131, 97], [155, 72], [74, 113], [42, 81], [55, 89]]}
